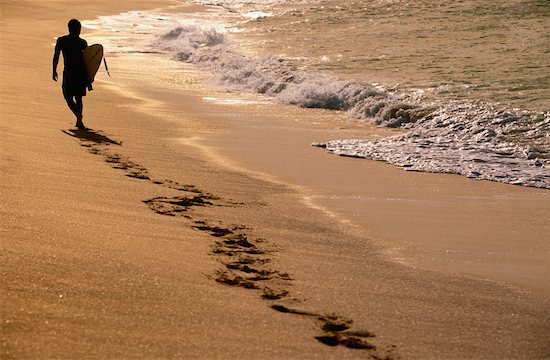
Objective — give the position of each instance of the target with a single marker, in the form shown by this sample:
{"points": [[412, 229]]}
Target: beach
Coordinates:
{"points": [[190, 223]]}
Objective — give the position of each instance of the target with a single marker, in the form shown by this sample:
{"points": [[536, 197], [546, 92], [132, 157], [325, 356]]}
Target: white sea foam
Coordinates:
{"points": [[131, 32], [462, 137], [467, 138], [232, 101], [255, 15], [245, 5]]}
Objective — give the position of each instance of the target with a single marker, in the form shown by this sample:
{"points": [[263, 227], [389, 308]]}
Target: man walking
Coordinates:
{"points": [[74, 73]]}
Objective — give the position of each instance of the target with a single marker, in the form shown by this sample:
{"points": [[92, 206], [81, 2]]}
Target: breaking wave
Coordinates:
{"points": [[462, 137]]}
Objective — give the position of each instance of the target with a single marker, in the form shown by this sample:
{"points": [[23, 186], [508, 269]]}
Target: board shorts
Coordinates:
{"points": [[74, 83]]}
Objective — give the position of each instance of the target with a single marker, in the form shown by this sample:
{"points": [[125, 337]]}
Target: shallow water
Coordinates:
{"points": [[468, 81], [495, 51]]}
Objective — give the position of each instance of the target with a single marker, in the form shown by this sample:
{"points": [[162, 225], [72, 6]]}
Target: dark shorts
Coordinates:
{"points": [[74, 84]]}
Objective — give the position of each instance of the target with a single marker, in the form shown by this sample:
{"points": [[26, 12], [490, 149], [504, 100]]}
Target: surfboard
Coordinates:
{"points": [[92, 56]]}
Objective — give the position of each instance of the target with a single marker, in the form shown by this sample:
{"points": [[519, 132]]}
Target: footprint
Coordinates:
{"points": [[175, 205], [227, 278], [244, 259], [347, 341]]}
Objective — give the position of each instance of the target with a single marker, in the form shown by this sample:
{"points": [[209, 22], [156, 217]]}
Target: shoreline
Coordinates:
{"points": [[100, 262], [446, 222]]}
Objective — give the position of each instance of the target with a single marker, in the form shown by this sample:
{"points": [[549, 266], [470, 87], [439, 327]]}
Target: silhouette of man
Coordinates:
{"points": [[74, 73]]}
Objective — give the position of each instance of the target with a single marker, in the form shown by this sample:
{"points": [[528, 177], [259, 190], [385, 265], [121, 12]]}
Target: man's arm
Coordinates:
{"points": [[56, 53]]}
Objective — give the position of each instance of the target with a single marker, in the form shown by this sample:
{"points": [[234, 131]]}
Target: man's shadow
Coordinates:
{"points": [[90, 135]]}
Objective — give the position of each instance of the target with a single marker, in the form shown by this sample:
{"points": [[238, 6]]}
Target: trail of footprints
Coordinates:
{"points": [[246, 260]]}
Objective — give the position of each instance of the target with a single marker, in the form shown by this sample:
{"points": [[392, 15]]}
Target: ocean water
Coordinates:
{"points": [[467, 81]]}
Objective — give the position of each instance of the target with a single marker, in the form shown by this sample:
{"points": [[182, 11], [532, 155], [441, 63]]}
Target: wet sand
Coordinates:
{"points": [[138, 239], [439, 222]]}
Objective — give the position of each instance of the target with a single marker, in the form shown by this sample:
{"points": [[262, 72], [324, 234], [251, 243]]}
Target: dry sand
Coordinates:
{"points": [[137, 239]]}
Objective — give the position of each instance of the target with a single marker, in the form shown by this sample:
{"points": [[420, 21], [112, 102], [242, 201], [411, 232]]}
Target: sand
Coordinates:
{"points": [[149, 237]]}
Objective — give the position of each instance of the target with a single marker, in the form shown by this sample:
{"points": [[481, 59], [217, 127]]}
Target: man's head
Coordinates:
{"points": [[74, 27]]}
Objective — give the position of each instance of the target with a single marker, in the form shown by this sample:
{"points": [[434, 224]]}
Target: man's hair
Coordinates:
{"points": [[74, 26]]}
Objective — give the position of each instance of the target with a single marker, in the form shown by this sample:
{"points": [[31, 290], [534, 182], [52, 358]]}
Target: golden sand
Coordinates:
{"points": [[148, 236]]}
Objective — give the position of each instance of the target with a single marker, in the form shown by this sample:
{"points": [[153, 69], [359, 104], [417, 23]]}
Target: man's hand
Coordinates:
{"points": [[54, 76]]}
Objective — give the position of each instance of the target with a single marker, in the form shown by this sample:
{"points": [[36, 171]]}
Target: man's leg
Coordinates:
{"points": [[72, 105], [75, 104], [79, 107]]}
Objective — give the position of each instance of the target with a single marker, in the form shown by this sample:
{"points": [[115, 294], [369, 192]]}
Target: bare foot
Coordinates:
{"points": [[79, 123]]}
